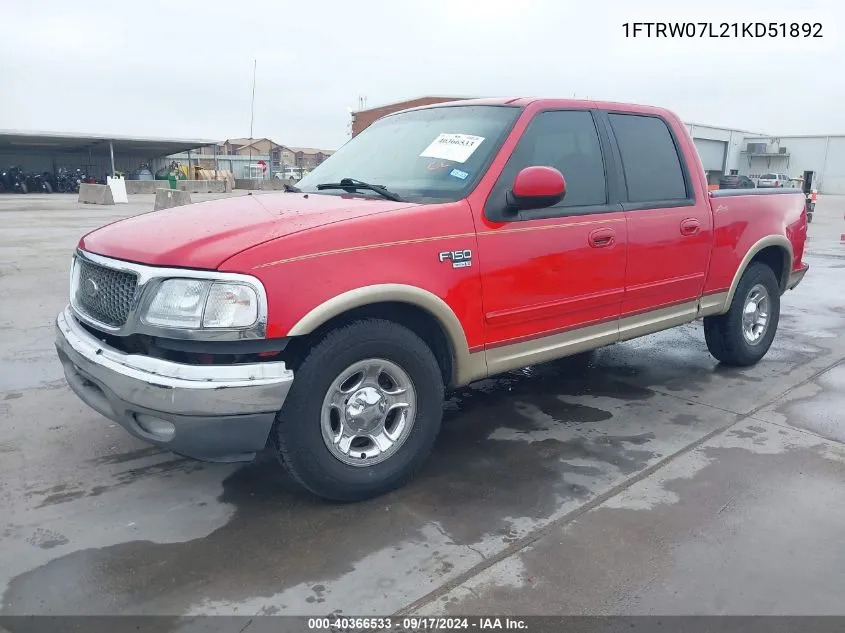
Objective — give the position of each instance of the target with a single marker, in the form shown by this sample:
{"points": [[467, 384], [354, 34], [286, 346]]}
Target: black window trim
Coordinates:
{"points": [[689, 201], [612, 204]]}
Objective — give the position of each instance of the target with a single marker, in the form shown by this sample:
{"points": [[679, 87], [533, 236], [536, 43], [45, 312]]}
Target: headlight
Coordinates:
{"points": [[230, 305], [200, 303]]}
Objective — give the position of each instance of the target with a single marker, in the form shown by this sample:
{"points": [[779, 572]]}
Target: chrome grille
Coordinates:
{"points": [[104, 294]]}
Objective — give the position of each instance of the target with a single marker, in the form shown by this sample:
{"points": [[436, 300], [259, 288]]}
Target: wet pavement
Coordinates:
{"points": [[641, 478]]}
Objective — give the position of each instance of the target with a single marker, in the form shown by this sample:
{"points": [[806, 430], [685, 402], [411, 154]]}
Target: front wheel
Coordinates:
{"points": [[743, 335], [363, 412]]}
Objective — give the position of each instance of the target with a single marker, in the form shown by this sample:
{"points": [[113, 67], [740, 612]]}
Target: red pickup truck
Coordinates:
{"points": [[442, 245]]}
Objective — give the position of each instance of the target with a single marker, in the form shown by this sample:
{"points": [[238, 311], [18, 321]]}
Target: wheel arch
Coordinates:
{"points": [[773, 250], [376, 300]]}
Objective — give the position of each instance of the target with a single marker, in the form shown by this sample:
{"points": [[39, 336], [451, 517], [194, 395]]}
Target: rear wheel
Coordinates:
{"points": [[363, 412], [744, 334]]}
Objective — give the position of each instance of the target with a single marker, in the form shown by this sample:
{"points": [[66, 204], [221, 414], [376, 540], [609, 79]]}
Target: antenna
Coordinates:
{"points": [[252, 107], [252, 118]]}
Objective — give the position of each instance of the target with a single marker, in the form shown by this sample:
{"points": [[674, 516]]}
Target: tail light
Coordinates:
{"points": [[813, 196]]}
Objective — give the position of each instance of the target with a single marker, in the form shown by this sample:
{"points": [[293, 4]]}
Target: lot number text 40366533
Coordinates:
{"points": [[723, 29]]}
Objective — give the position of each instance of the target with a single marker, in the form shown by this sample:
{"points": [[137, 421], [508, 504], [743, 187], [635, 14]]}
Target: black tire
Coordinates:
{"points": [[298, 438], [724, 333], [809, 217]]}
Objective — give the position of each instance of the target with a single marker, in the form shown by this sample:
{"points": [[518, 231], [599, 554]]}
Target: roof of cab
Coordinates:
{"points": [[524, 102]]}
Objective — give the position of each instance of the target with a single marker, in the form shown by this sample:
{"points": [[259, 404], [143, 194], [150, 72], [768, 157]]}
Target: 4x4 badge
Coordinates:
{"points": [[459, 259]]}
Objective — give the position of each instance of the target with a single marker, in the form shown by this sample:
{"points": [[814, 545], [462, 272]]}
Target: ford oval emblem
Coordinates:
{"points": [[91, 288]]}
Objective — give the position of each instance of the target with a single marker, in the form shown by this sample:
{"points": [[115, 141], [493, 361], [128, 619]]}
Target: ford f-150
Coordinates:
{"points": [[442, 245]]}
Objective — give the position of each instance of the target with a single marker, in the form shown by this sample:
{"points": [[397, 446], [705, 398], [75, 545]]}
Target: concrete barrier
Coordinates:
{"points": [[194, 186], [273, 184], [95, 194], [145, 186], [202, 186], [169, 198]]}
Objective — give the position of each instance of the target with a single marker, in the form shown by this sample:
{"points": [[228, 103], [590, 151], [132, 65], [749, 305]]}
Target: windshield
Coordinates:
{"points": [[769, 177], [430, 155]]}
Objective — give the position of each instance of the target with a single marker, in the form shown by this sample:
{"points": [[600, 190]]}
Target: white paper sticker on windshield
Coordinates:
{"points": [[454, 147]]}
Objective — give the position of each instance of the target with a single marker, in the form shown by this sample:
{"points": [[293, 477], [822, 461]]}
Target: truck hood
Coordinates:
{"points": [[206, 234]]}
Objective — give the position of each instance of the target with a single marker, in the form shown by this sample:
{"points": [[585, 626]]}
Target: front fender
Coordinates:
{"points": [[468, 367]]}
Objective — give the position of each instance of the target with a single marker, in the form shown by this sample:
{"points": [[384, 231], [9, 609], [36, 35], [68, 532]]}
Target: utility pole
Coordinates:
{"points": [[252, 116]]}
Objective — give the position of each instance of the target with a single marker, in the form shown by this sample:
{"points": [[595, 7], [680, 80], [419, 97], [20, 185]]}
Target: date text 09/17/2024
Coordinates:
{"points": [[735, 30], [414, 624]]}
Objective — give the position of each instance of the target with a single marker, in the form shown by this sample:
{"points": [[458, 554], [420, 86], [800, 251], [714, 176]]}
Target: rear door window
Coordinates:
{"points": [[650, 160]]}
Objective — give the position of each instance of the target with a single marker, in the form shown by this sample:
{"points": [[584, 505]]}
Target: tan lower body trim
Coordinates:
{"points": [[514, 356], [472, 369], [656, 320], [548, 348], [717, 303]]}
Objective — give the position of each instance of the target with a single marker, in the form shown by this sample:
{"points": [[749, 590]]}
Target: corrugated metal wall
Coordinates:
{"points": [[824, 155], [834, 172], [712, 153]]}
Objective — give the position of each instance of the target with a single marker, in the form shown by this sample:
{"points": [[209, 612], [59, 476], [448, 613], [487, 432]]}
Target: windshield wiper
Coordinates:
{"points": [[292, 189], [351, 184]]}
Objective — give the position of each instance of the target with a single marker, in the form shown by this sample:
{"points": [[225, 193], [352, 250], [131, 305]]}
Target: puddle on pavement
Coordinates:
{"points": [[280, 537], [821, 412], [558, 443]]}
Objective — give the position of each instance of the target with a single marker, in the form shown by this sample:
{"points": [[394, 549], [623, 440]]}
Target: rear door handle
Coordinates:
{"points": [[690, 226], [602, 237]]}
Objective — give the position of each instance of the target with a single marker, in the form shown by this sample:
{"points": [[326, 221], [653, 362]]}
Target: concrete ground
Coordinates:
{"points": [[643, 478]]}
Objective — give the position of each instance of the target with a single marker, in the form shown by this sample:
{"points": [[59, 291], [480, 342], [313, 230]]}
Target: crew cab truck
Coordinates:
{"points": [[442, 245]]}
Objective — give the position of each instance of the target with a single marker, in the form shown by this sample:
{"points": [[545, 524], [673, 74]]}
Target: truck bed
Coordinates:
{"points": [[740, 216]]}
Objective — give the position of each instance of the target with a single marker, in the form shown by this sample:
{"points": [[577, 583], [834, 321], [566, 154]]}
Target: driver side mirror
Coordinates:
{"points": [[536, 187]]}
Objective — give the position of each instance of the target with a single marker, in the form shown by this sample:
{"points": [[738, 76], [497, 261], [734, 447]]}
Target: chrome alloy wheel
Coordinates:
{"points": [[368, 412], [755, 314]]}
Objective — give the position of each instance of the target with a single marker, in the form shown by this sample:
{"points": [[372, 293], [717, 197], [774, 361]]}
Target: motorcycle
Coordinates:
{"points": [[68, 181], [50, 183], [14, 180], [37, 184]]}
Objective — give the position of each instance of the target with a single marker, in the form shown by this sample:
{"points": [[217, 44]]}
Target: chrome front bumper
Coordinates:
{"points": [[212, 412]]}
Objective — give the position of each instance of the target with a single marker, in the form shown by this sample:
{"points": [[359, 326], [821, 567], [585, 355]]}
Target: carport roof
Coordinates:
{"points": [[49, 142]]}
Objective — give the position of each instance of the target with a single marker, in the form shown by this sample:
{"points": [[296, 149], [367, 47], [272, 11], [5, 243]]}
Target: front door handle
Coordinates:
{"points": [[602, 237], [690, 226]]}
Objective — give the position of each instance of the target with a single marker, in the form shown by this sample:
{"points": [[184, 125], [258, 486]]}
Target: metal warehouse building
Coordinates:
{"points": [[722, 150], [47, 151]]}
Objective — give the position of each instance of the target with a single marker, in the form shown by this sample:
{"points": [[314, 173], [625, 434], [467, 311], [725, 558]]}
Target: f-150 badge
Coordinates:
{"points": [[459, 259]]}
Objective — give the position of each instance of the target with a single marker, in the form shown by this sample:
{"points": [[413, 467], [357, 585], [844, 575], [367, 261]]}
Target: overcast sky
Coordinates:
{"points": [[184, 69]]}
